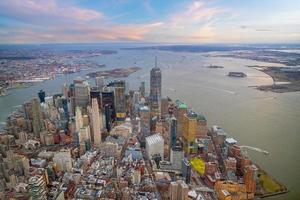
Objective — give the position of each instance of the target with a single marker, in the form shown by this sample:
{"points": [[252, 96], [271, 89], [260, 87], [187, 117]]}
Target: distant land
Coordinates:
{"points": [[286, 79], [115, 73], [274, 53]]}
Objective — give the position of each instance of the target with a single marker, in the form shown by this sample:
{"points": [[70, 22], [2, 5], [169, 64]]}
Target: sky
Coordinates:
{"points": [[155, 21]]}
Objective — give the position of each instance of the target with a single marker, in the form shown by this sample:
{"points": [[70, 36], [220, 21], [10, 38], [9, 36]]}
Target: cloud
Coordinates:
{"points": [[49, 21], [42, 10]]}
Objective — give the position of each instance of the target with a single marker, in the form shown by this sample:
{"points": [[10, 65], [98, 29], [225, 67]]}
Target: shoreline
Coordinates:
{"points": [[291, 80]]}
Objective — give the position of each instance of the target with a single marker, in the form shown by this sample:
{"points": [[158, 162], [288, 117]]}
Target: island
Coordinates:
{"points": [[115, 73], [285, 79]]}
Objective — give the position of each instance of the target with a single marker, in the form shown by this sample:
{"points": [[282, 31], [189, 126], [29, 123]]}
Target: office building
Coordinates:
{"points": [[96, 93], [96, 123], [180, 111], [144, 122], [176, 157], [63, 160], [37, 119], [142, 89], [78, 119], [100, 82], [82, 93], [173, 132], [42, 96], [189, 131], [155, 91], [120, 102], [186, 170], [179, 190]]}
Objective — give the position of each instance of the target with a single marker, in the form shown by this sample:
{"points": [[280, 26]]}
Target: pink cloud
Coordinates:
{"points": [[35, 10]]}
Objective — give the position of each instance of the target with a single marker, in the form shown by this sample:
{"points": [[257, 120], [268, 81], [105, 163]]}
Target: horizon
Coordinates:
{"points": [[151, 21]]}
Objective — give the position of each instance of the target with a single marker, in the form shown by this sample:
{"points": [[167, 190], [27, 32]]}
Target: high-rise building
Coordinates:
{"points": [[95, 93], [42, 96], [250, 174], [186, 170], [96, 123], [189, 131], [37, 120], [78, 119], [82, 93], [107, 114], [173, 132], [120, 103], [144, 123], [155, 91], [142, 89], [173, 191], [179, 190], [37, 188], [63, 160], [180, 111], [100, 82], [176, 156]]}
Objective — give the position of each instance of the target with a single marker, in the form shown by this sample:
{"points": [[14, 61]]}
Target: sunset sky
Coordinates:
{"points": [[162, 21]]}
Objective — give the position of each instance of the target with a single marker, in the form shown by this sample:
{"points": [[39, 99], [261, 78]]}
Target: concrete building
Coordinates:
{"points": [[180, 111], [82, 93], [37, 119], [179, 190], [173, 132], [186, 170], [63, 160], [78, 119], [120, 102], [96, 123], [100, 82], [155, 146], [144, 123], [37, 188], [176, 156]]}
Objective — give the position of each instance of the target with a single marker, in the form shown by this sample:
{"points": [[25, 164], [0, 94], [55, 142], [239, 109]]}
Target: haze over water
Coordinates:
{"points": [[261, 119]]}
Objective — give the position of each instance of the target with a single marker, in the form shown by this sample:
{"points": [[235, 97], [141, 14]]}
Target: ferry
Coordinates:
{"points": [[237, 74]]}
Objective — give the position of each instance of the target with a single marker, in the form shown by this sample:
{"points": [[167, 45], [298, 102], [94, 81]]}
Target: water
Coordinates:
{"points": [[262, 119]]}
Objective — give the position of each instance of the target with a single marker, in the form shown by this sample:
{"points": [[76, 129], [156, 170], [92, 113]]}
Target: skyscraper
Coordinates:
{"points": [[120, 103], [100, 82], [142, 89], [37, 120], [186, 170], [78, 119], [82, 93], [42, 96], [180, 111], [155, 91], [95, 93], [173, 132], [96, 123]]}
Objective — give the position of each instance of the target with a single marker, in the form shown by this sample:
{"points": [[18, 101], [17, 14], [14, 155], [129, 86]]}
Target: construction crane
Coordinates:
{"points": [[254, 149]]}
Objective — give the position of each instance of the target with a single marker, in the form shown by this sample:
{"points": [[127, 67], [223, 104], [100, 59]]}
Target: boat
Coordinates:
{"points": [[237, 74]]}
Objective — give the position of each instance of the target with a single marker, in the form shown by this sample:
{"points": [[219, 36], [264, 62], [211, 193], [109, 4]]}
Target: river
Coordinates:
{"points": [[266, 120]]}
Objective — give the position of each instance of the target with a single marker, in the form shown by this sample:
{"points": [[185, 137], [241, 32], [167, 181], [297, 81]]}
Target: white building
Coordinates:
{"points": [[155, 145], [63, 160]]}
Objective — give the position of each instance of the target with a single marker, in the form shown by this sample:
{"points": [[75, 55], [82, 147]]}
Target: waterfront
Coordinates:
{"points": [[254, 118]]}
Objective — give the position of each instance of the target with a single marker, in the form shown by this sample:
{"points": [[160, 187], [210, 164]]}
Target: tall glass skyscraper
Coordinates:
{"points": [[155, 91]]}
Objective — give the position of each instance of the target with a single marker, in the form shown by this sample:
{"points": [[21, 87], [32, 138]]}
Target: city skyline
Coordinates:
{"points": [[216, 21]]}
